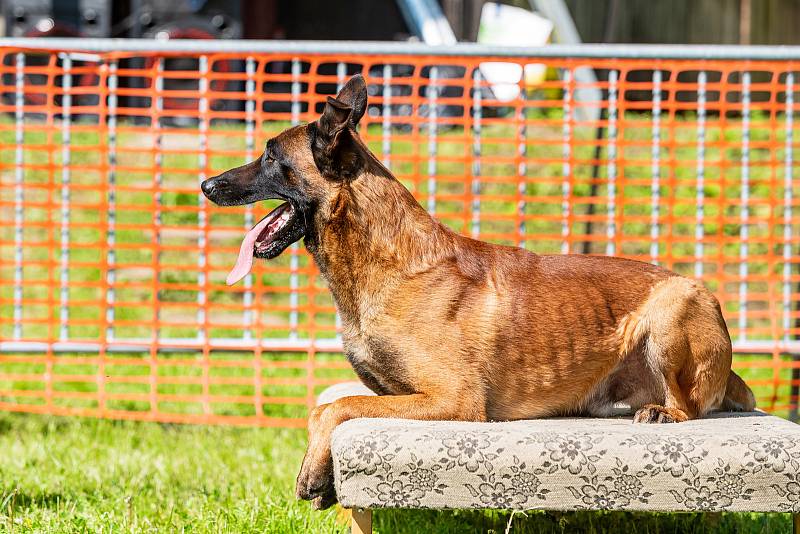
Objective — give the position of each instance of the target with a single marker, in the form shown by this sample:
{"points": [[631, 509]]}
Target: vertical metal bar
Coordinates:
{"points": [[611, 164], [522, 168], [202, 229], [744, 230], [19, 195], [433, 142], [387, 114], [158, 180], [566, 157], [293, 260], [699, 229], [66, 153], [202, 222], [788, 194], [295, 91], [655, 169], [111, 179], [341, 73], [787, 208], [477, 108], [249, 111]]}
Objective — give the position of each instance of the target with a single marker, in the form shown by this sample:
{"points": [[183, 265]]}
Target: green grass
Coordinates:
{"points": [[63, 475]]}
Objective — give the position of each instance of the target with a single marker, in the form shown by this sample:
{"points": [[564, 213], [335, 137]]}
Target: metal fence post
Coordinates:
{"points": [[699, 229], [566, 157], [744, 233], [475, 188], [19, 192], [611, 164], [294, 249], [788, 197], [66, 119], [386, 114], [432, 139], [655, 169], [250, 107], [111, 220]]}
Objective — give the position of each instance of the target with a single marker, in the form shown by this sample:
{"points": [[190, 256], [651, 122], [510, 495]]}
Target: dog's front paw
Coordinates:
{"points": [[653, 413], [325, 501], [315, 483]]}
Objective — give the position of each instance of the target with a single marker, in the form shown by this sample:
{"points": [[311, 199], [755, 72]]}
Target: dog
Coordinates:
{"points": [[443, 327]]}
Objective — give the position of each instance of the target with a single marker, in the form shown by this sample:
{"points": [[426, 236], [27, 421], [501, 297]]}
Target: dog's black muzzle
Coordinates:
{"points": [[242, 185]]}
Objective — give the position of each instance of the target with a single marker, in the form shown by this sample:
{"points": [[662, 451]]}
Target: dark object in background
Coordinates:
{"points": [[464, 17], [176, 20], [361, 20], [57, 18], [53, 18], [183, 19], [230, 19]]}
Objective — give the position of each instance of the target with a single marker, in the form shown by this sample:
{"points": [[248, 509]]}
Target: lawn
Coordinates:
{"points": [[62, 475]]}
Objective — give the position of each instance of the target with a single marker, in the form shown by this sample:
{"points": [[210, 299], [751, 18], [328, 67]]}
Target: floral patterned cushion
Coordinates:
{"points": [[736, 462]]}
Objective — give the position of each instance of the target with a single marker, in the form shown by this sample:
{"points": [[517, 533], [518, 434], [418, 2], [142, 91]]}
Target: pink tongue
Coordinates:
{"points": [[245, 260]]}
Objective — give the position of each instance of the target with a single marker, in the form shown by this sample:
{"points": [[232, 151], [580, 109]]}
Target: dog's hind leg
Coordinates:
{"points": [[675, 408], [687, 347]]}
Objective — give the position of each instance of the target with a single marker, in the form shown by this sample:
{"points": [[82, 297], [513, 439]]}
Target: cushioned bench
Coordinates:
{"points": [[727, 462]]}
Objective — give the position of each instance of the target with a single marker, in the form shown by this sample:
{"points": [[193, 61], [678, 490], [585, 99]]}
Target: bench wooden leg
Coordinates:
{"points": [[796, 523], [361, 521]]}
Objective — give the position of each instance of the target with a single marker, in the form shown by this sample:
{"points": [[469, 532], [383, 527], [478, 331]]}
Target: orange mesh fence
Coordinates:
{"points": [[112, 265]]}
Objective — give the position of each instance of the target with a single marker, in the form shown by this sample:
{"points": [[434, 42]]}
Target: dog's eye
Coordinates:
{"points": [[268, 157]]}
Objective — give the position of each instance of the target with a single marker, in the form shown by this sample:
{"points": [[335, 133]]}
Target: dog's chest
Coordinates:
{"points": [[378, 364]]}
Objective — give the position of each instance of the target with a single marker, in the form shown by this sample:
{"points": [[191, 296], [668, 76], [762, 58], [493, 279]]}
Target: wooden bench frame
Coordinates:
{"points": [[361, 521]]}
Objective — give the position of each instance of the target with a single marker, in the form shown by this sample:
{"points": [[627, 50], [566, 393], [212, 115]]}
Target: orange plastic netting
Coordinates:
{"points": [[112, 264]]}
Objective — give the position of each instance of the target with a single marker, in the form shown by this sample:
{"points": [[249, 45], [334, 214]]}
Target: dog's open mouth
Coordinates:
{"points": [[267, 239]]}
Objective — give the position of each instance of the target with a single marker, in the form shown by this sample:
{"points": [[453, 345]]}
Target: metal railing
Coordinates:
{"points": [[112, 294]]}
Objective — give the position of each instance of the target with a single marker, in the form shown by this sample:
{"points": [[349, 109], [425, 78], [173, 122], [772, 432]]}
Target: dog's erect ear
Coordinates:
{"points": [[335, 118], [354, 96], [346, 109], [336, 151]]}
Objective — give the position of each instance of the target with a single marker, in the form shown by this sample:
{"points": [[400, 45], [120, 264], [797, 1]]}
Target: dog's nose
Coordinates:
{"points": [[208, 186]]}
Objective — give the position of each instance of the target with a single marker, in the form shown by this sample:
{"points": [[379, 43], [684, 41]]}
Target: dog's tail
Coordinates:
{"points": [[738, 396]]}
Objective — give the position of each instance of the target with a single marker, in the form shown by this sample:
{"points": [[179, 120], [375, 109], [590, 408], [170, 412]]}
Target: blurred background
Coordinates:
{"points": [[597, 21]]}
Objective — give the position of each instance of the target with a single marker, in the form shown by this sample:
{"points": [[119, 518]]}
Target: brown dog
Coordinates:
{"points": [[445, 327]]}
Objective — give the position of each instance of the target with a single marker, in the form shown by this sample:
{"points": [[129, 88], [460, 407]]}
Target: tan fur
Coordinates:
{"points": [[446, 327]]}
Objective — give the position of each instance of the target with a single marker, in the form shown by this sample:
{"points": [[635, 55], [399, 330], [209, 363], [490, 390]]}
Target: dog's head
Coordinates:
{"points": [[304, 166]]}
